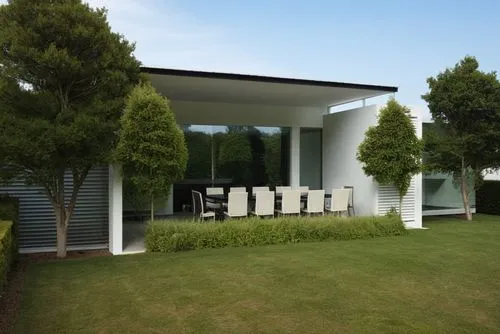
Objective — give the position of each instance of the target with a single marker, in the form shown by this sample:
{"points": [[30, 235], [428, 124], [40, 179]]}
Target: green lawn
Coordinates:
{"points": [[445, 279]]}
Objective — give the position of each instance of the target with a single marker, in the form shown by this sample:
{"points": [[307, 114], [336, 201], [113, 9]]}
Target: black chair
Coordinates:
{"points": [[199, 212]]}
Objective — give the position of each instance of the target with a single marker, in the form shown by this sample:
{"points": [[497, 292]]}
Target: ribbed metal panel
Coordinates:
{"points": [[88, 226]]}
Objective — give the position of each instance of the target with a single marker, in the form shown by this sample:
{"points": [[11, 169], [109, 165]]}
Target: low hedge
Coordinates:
{"points": [[488, 198], [8, 251], [173, 236]]}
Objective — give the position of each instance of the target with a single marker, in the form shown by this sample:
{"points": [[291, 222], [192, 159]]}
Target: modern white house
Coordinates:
{"points": [[294, 138]]}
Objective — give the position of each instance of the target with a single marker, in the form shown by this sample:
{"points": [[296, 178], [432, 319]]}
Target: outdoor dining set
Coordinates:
{"points": [[263, 202]]}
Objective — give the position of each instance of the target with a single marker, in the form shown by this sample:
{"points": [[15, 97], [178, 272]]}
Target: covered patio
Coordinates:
{"points": [[294, 139]]}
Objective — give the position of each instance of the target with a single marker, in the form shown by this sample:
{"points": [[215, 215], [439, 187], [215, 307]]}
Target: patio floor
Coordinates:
{"points": [[133, 237], [133, 232]]}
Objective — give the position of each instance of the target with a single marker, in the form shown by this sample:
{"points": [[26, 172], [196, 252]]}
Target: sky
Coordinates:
{"points": [[394, 43]]}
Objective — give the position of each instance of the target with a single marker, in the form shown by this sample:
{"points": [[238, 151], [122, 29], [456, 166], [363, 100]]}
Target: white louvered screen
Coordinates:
{"points": [[388, 197]]}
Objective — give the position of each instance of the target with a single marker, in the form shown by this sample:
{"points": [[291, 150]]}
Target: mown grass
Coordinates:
{"points": [[441, 280]]}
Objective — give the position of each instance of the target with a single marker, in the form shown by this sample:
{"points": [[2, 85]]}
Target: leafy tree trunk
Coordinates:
{"points": [[464, 189], [62, 212], [400, 205], [152, 208], [62, 230]]}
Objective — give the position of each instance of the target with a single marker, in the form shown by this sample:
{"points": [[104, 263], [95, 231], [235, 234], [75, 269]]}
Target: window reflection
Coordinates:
{"points": [[234, 155]]}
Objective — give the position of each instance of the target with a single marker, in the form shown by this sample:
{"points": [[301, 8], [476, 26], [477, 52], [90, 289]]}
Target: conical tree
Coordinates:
{"points": [[151, 146], [391, 151]]}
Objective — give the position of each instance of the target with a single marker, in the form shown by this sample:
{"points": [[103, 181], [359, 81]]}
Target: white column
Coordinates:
{"points": [[115, 191], [295, 156]]}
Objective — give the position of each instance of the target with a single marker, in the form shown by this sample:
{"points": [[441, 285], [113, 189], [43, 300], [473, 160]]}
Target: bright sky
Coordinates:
{"points": [[395, 43]]}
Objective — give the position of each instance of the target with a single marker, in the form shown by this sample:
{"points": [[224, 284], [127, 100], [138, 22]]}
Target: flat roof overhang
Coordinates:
{"points": [[184, 85]]}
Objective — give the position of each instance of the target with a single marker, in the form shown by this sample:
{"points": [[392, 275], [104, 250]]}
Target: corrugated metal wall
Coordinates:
{"points": [[88, 226]]}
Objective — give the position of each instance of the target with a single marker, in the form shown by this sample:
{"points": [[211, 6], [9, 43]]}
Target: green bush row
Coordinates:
{"points": [[173, 236], [488, 198], [7, 251], [9, 210], [9, 218]]}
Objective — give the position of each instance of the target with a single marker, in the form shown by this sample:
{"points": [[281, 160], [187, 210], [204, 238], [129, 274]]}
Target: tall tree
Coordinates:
{"points": [[235, 155], [63, 79], [151, 146], [465, 105], [391, 151]]}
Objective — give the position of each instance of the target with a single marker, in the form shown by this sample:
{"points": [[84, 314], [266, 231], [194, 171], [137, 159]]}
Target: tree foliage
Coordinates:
{"points": [[391, 151], [465, 141], [151, 146], [63, 78], [235, 154]]}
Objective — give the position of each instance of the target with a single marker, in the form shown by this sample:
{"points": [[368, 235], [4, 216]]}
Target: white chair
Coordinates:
{"points": [[258, 189], [290, 204], [237, 204], [213, 191], [238, 189], [350, 207], [264, 204], [280, 189], [315, 202], [199, 212], [279, 192], [339, 202]]}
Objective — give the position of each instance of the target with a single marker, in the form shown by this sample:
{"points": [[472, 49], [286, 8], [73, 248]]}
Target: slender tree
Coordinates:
{"points": [[391, 151], [235, 155], [63, 79], [465, 141], [151, 146]]}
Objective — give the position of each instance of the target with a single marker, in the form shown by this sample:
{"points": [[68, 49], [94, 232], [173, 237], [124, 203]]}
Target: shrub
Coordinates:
{"points": [[7, 251], [173, 236], [488, 198], [9, 210]]}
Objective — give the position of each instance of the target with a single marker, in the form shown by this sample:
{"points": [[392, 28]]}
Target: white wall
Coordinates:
{"points": [[342, 133], [310, 159], [211, 113]]}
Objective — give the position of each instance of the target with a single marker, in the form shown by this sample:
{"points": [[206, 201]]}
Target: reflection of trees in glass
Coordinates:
{"points": [[272, 158], [245, 154], [200, 155], [234, 156]]}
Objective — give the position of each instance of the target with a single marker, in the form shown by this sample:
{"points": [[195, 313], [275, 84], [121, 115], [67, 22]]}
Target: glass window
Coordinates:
{"points": [[234, 155]]}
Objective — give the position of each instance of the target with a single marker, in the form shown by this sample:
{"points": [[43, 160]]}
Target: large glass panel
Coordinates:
{"points": [[310, 158], [234, 155]]}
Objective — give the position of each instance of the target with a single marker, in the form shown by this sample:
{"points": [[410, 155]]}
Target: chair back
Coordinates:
{"points": [[198, 208], [351, 195], [258, 189], [215, 191], [340, 199], [238, 189], [280, 189], [237, 204], [264, 203], [290, 203], [316, 201]]}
